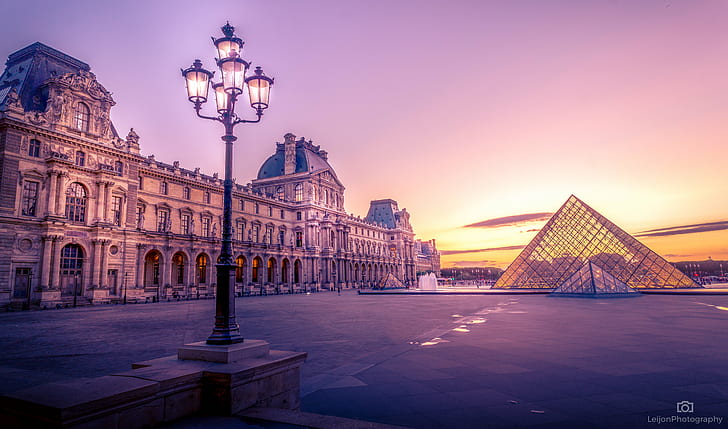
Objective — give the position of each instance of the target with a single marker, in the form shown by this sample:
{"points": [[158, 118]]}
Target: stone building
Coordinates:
{"points": [[85, 217], [427, 257]]}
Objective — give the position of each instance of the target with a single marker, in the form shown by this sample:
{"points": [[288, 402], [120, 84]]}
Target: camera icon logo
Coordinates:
{"points": [[685, 407]]}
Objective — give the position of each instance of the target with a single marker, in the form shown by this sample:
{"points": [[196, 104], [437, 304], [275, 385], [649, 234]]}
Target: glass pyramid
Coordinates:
{"points": [[390, 282], [577, 234], [591, 279]]}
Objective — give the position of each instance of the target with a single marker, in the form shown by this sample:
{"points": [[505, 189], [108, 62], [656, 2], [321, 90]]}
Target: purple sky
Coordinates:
{"points": [[462, 111]]}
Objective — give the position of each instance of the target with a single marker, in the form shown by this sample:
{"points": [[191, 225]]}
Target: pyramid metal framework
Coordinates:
{"points": [[390, 282], [592, 280], [577, 234]]}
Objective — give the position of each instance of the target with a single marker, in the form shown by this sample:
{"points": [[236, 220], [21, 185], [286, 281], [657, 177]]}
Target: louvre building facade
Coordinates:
{"points": [[84, 216]]}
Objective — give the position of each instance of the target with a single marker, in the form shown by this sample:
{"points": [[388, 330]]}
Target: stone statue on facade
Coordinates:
{"points": [[192, 226]]}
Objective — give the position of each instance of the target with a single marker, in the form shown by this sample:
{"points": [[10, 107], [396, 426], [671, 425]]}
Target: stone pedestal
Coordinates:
{"points": [[218, 380]]}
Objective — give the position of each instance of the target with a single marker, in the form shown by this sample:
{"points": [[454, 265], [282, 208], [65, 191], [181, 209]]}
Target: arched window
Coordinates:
{"points": [[284, 271], [76, 203], [279, 193], [81, 117], [256, 270], [202, 268], [239, 268], [151, 268], [71, 269], [298, 191]]}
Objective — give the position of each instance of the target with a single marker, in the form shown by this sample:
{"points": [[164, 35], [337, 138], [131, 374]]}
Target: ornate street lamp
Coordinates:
{"points": [[233, 84]]}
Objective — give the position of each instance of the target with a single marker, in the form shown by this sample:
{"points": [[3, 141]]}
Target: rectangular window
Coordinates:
{"points": [[283, 215], [80, 159], [270, 211], [185, 224], [242, 205], [163, 188], [299, 216], [116, 210], [206, 226], [256, 234], [140, 217], [240, 231], [269, 235], [141, 183], [162, 220], [34, 148], [257, 208], [206, 198], [30, 198], [299, 239], [282, 237], [186, 193]]}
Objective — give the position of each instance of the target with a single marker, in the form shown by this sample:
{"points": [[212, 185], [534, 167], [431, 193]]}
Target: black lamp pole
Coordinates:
{"points": [[234, 82], [125, 276]]}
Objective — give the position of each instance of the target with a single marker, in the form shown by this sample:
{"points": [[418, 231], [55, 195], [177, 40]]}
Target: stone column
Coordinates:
{"points": [[103, 283], [55, 267], [60, 195], [140, 266], [107, 192], [99, 201], [45, 267], [96, 268], [52, 193]]}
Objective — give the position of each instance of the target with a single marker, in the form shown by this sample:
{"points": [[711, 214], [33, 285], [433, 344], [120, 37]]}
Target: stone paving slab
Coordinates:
{"points": [[424, 361]]}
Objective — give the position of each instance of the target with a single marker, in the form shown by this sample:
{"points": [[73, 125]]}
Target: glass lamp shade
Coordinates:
{"points": [[259, 89], [221, 97], [233, 74], [228, 47], [198, 82]]}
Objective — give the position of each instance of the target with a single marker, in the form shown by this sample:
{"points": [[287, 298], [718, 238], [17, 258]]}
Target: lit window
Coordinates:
{"points": [[298, 192], [81, 117], [279, 193]]}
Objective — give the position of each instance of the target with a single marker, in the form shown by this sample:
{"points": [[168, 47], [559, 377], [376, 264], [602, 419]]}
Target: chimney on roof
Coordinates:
{"points": [[289, 147]]}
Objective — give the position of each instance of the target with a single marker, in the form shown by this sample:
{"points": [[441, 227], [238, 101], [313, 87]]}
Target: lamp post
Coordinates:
{"points": [[75, 287], [125, 277], [232, 70]]}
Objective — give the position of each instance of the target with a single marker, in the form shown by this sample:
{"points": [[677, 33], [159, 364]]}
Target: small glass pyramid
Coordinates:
{"points": [[577, 234], [593, 280], [390, 282]]}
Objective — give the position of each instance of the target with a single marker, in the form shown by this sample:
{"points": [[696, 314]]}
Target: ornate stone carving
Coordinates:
{"points": [[84, 81], [37, 118], [12, 101]]}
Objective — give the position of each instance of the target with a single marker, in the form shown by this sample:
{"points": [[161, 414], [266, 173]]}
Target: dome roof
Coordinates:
{"points": [[309, 158]]}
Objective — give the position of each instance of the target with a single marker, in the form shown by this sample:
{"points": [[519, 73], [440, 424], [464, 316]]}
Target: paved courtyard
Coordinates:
{"points": [[426, 361]]}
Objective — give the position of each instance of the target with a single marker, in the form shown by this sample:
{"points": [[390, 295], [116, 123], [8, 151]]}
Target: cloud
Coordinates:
{"points": [[684, 229], [488, 249], [510, 220], [532, 230]]}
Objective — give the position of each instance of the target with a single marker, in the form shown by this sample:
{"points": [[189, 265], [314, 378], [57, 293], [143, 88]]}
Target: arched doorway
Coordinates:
{"points": [[71, 278], [297, 271], [270, 278], [240, 264], [201, 264], [285, 266], [151, 268], [257, 262], [179, 268]]}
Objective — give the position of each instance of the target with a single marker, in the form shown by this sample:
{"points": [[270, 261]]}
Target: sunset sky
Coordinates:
{"points": [[464, 111]]}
